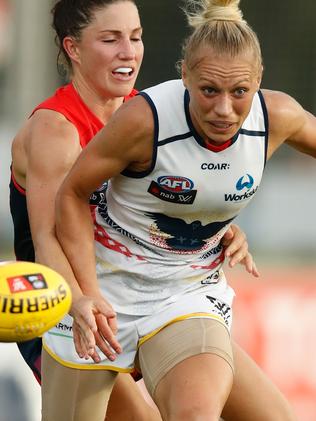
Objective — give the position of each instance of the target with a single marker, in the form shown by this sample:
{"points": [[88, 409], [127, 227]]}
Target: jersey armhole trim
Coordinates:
{"points": [[266, 125], [142, 174]]}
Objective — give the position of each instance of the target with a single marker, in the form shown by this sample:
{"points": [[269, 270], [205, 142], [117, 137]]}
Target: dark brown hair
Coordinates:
{"points": [[70, 18]]}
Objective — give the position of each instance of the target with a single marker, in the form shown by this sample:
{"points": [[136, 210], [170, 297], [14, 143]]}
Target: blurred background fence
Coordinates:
{"points": [[280, 221]]}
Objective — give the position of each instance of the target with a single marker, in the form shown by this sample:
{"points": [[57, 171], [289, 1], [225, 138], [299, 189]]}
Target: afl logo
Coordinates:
{"points": [[245, 182], [175, 184]]}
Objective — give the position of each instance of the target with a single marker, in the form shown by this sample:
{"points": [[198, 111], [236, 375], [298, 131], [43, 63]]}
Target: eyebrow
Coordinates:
{"points": [[116, 31]]}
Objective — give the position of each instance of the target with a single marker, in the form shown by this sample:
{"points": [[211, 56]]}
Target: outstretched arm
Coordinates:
{"points": [[126, 142], [52, 146]]}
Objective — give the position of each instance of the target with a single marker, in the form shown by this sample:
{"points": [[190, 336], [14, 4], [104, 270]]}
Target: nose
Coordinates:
{"points": [[127, 50], [223, 106]]}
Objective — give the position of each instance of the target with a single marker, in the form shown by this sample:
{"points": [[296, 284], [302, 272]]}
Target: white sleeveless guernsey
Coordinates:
{"points": [[166, 224], [158, 234]]}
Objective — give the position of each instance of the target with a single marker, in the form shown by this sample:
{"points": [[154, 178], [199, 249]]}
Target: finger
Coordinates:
{"points": [[105, 323], [87, 351], [255, 272], [238, 243], [104, 327], [88, 318], [86, 334], [77, 342], [104, 308], [112, 321], [106, 346], [95, 356], [107, 332], [239, 255], [80, 343], [226, 239], [250, 265]]}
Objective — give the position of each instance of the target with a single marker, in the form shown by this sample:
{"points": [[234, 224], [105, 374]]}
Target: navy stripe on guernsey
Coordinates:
{"points": [[266, 124], [192, 132], [134, 174]]}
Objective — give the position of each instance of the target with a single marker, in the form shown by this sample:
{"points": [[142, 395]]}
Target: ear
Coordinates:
{"points": [[259, 77], [71, 48], [184, 74]]}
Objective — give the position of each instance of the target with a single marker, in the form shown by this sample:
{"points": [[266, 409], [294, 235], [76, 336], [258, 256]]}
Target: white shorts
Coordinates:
{"points": [[206, 300]]}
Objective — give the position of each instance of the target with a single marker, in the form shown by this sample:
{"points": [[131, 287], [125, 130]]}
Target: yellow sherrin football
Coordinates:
{"points": [[33, 298]]}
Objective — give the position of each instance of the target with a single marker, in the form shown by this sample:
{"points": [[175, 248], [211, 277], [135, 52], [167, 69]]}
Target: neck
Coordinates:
{"points": [[102, 106]]}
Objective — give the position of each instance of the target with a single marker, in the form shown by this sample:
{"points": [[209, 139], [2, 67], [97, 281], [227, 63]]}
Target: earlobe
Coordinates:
{"points": [[259, 78], [71, 49], [184, 75]]}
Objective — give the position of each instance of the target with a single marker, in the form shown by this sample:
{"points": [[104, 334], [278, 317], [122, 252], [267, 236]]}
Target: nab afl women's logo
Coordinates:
{"points": [[172, 188], [175, 184]]}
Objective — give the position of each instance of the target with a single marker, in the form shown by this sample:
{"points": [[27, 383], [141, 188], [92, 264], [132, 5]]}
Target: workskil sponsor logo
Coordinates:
{"points": [[245, 189], [245, 182], [171, 188]]}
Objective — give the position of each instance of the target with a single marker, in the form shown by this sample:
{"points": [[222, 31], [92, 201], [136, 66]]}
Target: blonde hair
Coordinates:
{"points": [[219, 24]]}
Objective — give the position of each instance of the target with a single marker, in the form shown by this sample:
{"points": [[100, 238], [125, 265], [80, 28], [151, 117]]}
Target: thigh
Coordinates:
{"points": [[181, 340], [127, 402], [253, 395], [74, 395], [196, 388]]}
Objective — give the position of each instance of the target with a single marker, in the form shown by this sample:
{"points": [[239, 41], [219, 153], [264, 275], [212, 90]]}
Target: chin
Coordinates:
{"points": [[125, 87], [121, 90]]}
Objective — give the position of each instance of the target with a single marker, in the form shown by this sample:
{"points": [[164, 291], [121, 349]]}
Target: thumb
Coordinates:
{"points": [[229, 234], [105, 309]]}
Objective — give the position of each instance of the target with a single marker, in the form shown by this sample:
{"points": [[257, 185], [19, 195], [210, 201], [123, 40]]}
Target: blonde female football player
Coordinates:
{"points": [[102, 38]]}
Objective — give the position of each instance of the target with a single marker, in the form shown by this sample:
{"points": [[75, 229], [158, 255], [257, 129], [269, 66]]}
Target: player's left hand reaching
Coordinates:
{"points": [[236, 249]]}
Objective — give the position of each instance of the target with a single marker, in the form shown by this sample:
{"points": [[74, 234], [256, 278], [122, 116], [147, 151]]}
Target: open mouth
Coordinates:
{"points": [[123, 72], [221, 125]]}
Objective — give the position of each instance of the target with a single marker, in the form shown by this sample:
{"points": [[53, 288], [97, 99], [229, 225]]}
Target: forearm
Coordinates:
{"points": [[48, 252], [74, 229]]}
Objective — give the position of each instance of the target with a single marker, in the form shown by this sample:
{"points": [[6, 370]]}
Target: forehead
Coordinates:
{"points": [[119, 16], [223, 67]]}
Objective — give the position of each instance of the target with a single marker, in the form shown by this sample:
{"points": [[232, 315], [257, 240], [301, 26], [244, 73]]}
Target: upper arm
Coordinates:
{"points": [[289, 123], [52, 147], [125, 142]]}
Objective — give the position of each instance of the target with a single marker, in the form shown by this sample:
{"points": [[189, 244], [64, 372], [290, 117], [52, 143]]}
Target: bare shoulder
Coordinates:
{"points": [[137, 116], [282, 108], [52, 135], [286, 117], [47, 135], [289, 123], [52, 125], [133, 125]]}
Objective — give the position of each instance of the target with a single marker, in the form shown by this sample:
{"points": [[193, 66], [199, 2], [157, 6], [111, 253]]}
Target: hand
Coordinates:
{"points": [[94, 325], [235, 244]]}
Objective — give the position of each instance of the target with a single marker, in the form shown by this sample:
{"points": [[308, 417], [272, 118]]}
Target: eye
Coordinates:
{"points": [[109, 40], [208, 91], [240, 92], [136, 36]]}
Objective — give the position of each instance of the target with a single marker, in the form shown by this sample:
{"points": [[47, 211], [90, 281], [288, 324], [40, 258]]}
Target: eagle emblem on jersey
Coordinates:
{"points": [[177, 235]]}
